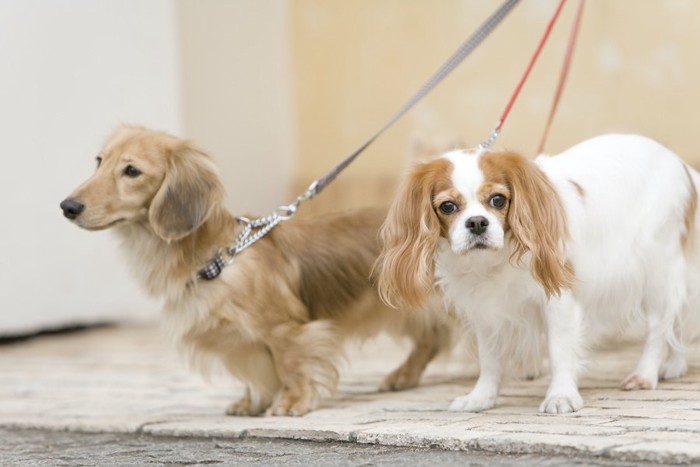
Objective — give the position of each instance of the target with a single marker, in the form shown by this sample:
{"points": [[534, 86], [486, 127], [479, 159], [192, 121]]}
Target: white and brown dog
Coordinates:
{"points": [[277, 317], [601, 235]]}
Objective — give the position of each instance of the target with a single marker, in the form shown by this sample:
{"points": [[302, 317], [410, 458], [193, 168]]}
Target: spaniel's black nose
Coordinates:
{"points": [[477, 224], [72, 208]]}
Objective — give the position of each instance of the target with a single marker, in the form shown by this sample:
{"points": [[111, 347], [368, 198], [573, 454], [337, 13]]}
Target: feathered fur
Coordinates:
{"points": [[278, 316], [598, 237]]}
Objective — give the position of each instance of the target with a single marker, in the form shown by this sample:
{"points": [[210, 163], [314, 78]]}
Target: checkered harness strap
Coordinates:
{"points": [[254, 230]]}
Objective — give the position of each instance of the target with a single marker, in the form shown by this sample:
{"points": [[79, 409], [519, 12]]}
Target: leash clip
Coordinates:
{"points": [[284, 213], [488, 144]]}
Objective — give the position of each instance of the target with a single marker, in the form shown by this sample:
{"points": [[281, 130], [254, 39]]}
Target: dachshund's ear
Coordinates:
{"points": [[409, 237], [537, 220], [190, 189]]}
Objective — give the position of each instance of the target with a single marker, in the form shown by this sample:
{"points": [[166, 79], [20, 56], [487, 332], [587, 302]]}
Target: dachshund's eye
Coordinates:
{"points": [[497, 201], [448, 207], [99, 161], [131, 171]]}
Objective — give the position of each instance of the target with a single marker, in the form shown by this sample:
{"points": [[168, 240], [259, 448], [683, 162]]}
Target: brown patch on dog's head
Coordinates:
{"points": [[410, 235], [535, 217]]}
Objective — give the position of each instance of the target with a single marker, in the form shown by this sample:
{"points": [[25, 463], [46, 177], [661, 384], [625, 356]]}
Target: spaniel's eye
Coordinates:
{"points": [[497, 201], [99, 161], [448, 207], [131, 171]]}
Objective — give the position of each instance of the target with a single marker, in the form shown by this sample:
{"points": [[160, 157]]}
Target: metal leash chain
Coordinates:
{"points": [[250, 235], [256, 229]]}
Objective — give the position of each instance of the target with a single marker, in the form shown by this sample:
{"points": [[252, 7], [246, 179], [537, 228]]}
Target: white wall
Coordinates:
{"points": [[215, 71], [71, 70]]}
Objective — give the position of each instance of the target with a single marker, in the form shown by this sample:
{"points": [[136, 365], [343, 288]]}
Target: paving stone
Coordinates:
{"points": [[554, 444], [654, 425], [129, 381], [444, 437], [561, 428], [667, 452]]}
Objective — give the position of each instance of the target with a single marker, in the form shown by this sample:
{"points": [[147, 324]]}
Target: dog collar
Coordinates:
{"points": [[213, 268], [253, 230]]}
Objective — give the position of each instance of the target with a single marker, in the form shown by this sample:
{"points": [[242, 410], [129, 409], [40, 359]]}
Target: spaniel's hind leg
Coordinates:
{"points": [[646, 374], [676, 364], [664, 299]]}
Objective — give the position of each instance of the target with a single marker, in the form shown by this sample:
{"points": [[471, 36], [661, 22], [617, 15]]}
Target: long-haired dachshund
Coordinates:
{"points": [[278, 316]]}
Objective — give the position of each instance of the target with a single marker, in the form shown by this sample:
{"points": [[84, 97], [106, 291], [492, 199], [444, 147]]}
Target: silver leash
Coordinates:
{"points": [[255, 229]]}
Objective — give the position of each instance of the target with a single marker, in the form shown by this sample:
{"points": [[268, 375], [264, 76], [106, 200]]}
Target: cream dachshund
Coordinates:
{"points": [[278, 316]]}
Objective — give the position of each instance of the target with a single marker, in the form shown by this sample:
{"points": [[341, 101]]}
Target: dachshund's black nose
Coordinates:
{"points": [[477, 224], [72, 208]]}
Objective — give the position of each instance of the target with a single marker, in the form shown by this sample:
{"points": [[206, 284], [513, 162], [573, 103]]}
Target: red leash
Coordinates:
{"points": [[497, 130], [564, 74]]}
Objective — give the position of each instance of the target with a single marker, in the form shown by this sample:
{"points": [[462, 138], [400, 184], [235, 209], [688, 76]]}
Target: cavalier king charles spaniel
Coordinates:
{"points": [[602, 235]]}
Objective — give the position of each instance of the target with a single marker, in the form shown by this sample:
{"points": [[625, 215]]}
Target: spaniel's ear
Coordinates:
{"points": [[190, 189], [538, 222], [409, 240]]}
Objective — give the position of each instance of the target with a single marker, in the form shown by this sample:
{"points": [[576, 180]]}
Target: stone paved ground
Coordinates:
{"points": [[23, 448], [126, 380]]}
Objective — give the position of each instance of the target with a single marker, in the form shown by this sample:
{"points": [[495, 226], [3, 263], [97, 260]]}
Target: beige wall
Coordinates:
{"points": [[636, 69], [279, 91], [236, 92]]}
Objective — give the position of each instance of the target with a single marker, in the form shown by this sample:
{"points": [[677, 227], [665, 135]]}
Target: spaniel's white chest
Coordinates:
{"points": [[485, 287]]}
